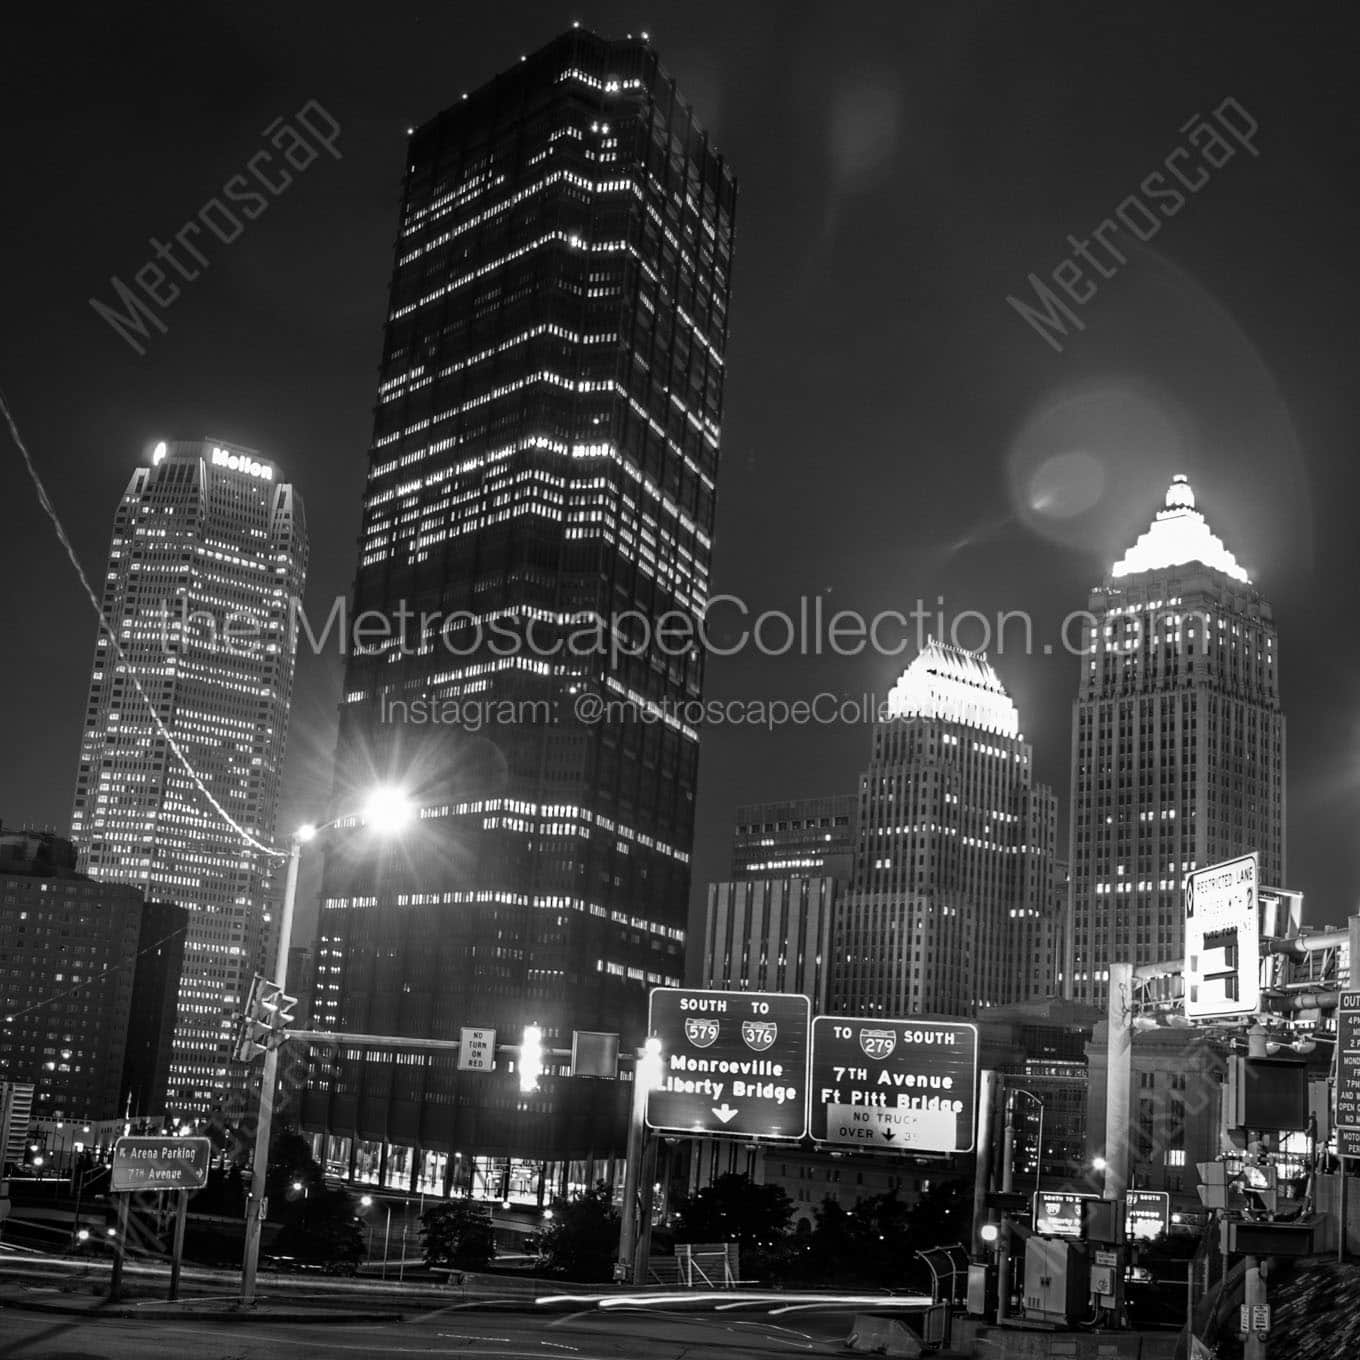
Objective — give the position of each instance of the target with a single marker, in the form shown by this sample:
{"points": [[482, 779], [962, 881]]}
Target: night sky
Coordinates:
{"points": [[893, 430]]}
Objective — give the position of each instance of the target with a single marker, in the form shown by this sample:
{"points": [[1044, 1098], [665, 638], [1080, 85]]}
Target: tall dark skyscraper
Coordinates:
{"points": [[1178, 753], [544, 455]]}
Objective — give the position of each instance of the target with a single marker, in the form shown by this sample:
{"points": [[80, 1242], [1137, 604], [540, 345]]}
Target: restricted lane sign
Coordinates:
{"points": [[733, 1062], [160, 1164], [1223, 940], [898, 1084], [1348, 1075]]}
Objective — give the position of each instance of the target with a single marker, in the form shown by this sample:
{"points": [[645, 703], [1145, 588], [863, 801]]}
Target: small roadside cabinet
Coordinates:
{"points": [[1055, 1280]]}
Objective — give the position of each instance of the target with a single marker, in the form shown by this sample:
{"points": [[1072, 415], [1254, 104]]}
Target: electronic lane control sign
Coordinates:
{"points": [[160, 1164], [908, 1084], [1223, 940], [732, 1062]]}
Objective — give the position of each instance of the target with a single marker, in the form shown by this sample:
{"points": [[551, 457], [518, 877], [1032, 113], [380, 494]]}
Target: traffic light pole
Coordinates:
{"points": [[257, 1205], [625, 1270], [1254, 1292]]}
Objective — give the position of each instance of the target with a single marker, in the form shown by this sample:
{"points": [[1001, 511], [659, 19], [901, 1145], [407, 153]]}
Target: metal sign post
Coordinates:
{"points": [[119, 1248], [177, 1252]]}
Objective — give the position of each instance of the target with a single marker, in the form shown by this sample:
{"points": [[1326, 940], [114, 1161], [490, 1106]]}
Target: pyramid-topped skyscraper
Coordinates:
{"points": [[1178, 743], [952, 898]]}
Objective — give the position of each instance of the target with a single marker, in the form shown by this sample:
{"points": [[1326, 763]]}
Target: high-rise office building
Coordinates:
{"points": [[543, 466], [951, 903], [88, 974], [207, 563], [803, 836], [1178, 743], [770, 935]]}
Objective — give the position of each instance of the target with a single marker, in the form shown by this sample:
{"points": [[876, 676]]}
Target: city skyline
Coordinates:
{"points": [[861, 321], [1238, 446]]}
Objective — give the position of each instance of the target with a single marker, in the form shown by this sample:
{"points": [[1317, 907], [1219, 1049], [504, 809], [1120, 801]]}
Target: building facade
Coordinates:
{"points": [[82, 996], [770, 935], [1178, 743], [206, 569], [541, 486], [950, 906], [811, 837]]}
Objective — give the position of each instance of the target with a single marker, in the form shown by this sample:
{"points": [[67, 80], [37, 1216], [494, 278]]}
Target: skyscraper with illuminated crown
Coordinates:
{"points": [[1178, 742], [207, 564], [952, 903]]}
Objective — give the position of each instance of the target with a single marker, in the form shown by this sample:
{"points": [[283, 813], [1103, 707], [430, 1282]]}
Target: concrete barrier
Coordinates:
{"points": [[883, 1336]]}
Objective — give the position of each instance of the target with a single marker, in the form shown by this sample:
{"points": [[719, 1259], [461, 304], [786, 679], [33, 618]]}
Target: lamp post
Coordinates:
{"points": [[387, 810], [646, 1076], [1009, 1139]]}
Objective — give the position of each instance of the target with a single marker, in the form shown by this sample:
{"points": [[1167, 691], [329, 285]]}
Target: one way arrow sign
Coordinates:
{"points": [[725, 1112]]}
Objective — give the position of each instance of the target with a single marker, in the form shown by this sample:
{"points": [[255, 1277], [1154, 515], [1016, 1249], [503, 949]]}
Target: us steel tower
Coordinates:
{"points": [[207, 564], [952, 903], [544, 457], [1178, 742]]}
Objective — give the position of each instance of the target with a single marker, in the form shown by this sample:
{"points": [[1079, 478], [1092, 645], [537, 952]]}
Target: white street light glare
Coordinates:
{"points": [[388, 809]]}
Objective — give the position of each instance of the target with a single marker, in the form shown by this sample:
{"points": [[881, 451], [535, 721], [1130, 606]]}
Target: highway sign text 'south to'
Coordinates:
{"points": [[908, 1084], [160, 1164], [732, 1062], [1348, 1075]]}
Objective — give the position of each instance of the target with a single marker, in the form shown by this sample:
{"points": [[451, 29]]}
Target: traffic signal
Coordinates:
{"points": [[269, 1012], [1261, 1184], [1219, 1190], [531, 1058]]}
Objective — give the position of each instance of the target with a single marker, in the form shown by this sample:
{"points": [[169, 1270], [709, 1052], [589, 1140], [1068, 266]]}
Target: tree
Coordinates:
{"points": [[943, 1215], [735, 1209], [457, 1233], [330, 1233], [581, 1240]]}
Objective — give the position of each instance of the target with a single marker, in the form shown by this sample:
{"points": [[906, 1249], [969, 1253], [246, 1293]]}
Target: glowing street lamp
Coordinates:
{"points": [[647, 1076], [386, 810]]}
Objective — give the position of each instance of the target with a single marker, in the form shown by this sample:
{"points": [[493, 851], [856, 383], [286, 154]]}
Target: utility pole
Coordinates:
{"points": [[987, 1086], [1118, 1079], [632, 1171], [1254, 1296]]}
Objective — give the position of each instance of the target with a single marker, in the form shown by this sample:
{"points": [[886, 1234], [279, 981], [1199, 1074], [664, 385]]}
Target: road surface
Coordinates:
{"points": [[469, 1333]]}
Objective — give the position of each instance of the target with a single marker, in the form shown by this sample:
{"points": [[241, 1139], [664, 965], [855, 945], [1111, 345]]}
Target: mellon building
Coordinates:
{"points": [[1178, 742], [953, 902], [207, 563]]}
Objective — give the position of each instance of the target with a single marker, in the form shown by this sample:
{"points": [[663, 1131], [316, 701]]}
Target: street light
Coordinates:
{"points": [[387, 810], [647, 1076], [1008, 1139]]}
